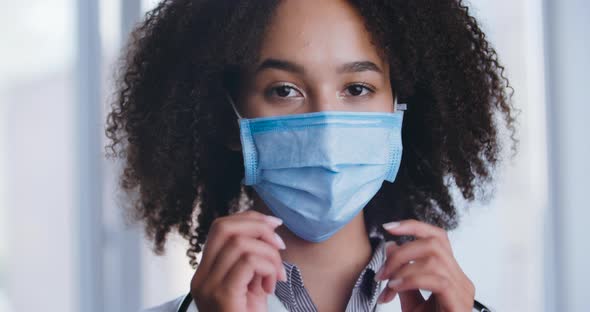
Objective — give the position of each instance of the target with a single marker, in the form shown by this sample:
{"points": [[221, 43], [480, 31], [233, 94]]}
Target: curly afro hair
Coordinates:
{"points": [[170, 120]]}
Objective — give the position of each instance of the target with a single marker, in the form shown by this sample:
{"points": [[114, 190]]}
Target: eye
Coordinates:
{"points": [[284, 91], [358, 89]]}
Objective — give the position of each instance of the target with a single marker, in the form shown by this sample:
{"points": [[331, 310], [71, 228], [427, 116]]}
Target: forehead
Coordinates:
{"points": [[318, 32]]}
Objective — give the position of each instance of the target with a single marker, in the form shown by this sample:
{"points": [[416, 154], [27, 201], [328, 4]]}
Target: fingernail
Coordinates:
{"points": [[390, 225], [394, 282], [280, 241], [274, 221]]}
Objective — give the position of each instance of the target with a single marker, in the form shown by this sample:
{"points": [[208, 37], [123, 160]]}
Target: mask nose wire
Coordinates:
{"points": [[233, 106]]}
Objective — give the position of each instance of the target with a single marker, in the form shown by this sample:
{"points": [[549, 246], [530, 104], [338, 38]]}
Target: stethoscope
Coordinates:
{"points": [[186, 302]]}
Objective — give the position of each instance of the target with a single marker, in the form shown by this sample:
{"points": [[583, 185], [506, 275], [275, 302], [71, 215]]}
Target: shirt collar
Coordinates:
{"points": [[286, 290]]}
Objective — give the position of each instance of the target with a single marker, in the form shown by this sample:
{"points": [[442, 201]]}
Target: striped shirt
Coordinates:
{"points": [[295, 297]]}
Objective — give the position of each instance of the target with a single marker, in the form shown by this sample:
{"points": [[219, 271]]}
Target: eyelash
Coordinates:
{"points": [[272, 90], [367, 87]]}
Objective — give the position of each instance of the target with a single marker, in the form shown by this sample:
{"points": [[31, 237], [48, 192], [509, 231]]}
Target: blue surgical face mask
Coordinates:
{"points": [[317, 171]]}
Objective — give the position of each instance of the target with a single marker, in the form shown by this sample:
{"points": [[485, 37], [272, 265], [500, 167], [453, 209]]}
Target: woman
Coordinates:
{"points": [[272, 131]]}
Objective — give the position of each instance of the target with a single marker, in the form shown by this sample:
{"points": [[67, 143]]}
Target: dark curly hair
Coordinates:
{"points": [[170, 121]]}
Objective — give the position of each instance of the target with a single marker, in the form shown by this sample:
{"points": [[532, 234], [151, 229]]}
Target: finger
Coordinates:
{"points": [[412, 300], [422, 266], [397, 256], [416, 228], [244, 271], [238, 247], [386, 295], [269, 284], [226, 227], [255, 286], [432, 282], [408, 299]]}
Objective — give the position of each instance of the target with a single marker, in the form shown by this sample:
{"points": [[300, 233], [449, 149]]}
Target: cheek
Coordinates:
{"points": [[254, 105], [389, 96], [252, 108], [250, 102], [384, 101]]}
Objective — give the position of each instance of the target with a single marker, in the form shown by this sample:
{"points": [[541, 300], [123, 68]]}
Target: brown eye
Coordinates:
{"points": [[285, 91], [357, 90]]}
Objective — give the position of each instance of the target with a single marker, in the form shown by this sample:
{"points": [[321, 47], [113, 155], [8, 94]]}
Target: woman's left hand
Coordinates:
{"points": [[426, 263]]}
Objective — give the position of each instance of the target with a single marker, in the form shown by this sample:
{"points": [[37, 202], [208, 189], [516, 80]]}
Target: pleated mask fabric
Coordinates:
{"points": [[316, 171]]}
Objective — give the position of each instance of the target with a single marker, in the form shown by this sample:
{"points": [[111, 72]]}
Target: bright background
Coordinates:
{"points": [[64, 245]]}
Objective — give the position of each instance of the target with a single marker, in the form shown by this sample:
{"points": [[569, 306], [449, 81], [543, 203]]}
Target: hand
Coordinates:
{"points": [[240, 264], [426, 263]]}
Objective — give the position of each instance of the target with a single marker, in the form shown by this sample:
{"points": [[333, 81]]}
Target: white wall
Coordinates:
{"points": [[36, 121], [568, 48]]}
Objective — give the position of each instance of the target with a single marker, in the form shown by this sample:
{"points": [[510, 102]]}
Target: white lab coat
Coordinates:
{"points": [[274, 304]]}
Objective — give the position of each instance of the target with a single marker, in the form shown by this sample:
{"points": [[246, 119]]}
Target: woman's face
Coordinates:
{"points": [[316, 56]]}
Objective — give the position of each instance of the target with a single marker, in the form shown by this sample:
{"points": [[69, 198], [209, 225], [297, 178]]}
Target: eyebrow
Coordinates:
{"points": [[355, 67], [352, 67]]}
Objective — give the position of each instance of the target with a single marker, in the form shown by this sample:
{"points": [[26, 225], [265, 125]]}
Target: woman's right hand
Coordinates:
{"points": [[240, 264]]}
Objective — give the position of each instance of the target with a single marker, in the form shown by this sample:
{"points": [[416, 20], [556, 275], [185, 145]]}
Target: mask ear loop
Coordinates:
{"points": [[233, 106], [399, 106]]}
